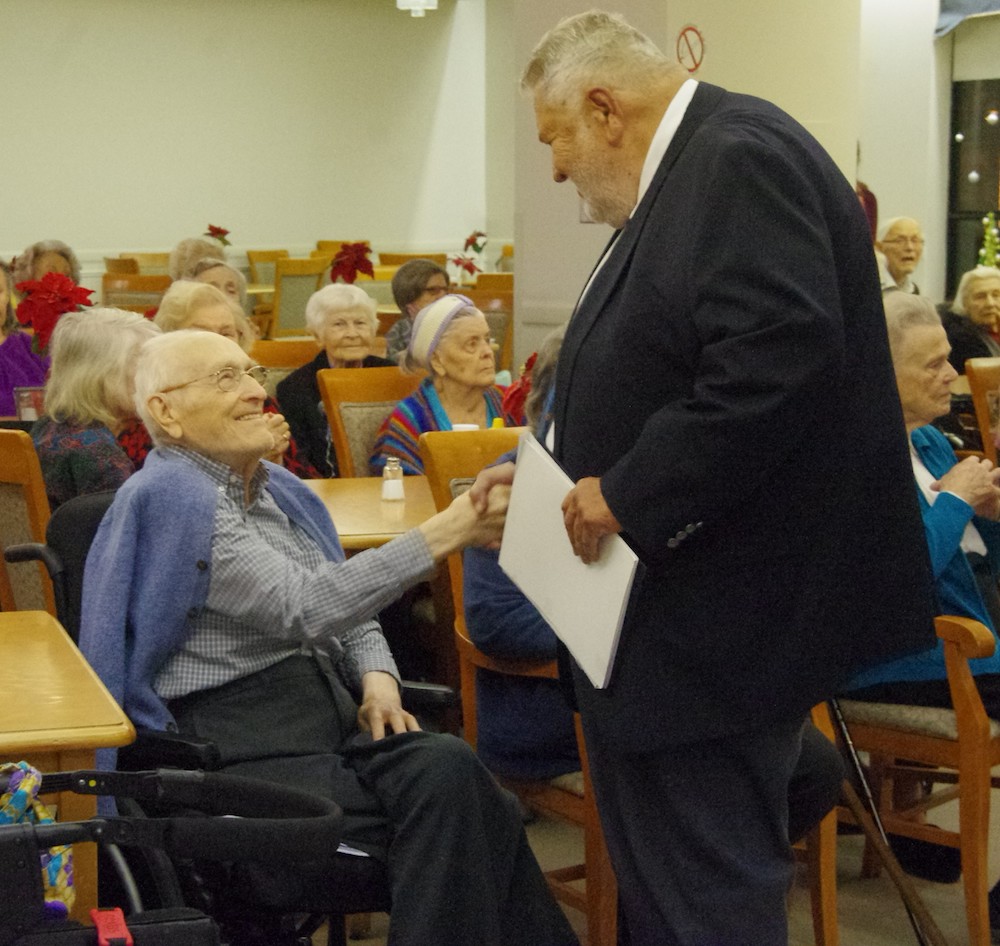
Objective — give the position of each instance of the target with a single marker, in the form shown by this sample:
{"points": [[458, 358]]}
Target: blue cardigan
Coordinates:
{"points": [[149, 567], [954, 583]]}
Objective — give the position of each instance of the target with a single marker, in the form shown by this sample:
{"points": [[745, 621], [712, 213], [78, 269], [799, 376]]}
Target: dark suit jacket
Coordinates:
{"points": [[300, 401], [752, 443]]}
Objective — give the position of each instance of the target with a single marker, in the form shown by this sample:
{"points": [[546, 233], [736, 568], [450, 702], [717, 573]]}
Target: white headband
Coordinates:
{"points": [[431, 323]]}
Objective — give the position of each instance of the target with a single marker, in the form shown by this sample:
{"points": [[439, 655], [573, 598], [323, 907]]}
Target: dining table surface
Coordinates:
{"points": [[362, 518], [57, 713]]}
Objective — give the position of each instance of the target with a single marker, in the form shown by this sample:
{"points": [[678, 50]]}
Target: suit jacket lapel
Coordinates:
{"points": [[619, 250]]}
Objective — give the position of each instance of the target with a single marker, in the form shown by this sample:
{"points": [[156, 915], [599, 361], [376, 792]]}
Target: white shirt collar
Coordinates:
{"points": [[668, 126]]}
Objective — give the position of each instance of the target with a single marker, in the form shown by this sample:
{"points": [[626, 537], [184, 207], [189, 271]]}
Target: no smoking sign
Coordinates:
{"points": [[690, 48]]}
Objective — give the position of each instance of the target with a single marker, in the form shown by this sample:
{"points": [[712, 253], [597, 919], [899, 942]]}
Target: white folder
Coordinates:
{"points": [[584, 604]]}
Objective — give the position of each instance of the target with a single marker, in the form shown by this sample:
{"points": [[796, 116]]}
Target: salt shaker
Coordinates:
{"points": [[392, 479]]}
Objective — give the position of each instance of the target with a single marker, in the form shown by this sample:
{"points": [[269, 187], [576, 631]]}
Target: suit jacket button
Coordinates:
{"points": [[672, 543], [681, 536]]}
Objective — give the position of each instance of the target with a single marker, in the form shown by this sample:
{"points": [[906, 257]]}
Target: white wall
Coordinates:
{"points": [[132, 125]]}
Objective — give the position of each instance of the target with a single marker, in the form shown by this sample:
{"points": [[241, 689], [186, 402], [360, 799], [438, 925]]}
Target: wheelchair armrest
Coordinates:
{"points": [[427, 695], [34, 552], [157, 749]]}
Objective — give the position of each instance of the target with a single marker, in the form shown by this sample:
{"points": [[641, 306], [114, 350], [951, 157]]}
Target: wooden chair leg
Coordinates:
{"points": [[974, 826], [821, 858], [871, 863]]}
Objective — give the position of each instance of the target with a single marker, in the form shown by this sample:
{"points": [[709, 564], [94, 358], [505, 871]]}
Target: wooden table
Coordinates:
{"points": [[56, 712], [362, 519]]}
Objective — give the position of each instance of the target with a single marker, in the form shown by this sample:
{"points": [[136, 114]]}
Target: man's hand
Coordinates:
{"points": [[976, 481], [588, 518], [500, 475], [282, 434], [381, 709]]}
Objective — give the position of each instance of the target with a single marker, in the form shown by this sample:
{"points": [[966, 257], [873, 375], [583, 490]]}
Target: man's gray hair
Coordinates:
{"points": [[161, 364], [966, 284], [903, 311], [591, 48]]}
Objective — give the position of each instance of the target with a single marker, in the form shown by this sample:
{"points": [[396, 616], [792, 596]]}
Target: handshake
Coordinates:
{"points": [[474, 518]]}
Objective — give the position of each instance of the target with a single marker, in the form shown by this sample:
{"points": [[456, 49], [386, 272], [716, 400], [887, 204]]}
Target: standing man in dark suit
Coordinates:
{"points": [[751, 450]]}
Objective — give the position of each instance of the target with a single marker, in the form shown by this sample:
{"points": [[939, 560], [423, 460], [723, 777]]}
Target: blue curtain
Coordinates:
{"points": [[954, 11]]}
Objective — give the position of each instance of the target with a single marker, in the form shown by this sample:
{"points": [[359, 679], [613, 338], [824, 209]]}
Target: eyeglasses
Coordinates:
{"points": [[902, 241], [226, 379]]}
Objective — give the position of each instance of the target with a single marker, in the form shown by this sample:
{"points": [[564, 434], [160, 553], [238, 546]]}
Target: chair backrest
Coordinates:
{"points": [[151, 264], [24, 515], [333, 246], [494, 281], [69, 535], [284, 352], [295, 280], [357, 401], [135, 293], [117, 264], [983, 375], [397, 259], [261, 263], [452, 459]]}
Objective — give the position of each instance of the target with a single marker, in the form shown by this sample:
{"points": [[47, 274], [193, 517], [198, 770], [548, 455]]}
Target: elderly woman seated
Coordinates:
{"points": [[19, 365], [87, 401], [47, 256], [227, 279], [187, 254], [960, 505], [188, 304], [973, 323], [418, 282], [451, 340], [343, 320]]}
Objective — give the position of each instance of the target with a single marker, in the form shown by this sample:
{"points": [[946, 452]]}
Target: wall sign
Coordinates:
{"points": [[690, 48]]}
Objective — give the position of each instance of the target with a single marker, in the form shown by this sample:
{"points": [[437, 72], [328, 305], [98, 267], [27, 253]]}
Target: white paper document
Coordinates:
{"points": [[584, 604]]}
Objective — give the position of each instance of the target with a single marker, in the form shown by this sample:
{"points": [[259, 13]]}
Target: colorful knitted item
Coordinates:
{"points": [[19, 804]]}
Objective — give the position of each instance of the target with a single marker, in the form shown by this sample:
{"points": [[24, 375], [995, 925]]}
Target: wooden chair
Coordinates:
{"points": [[961, 746], [295, 280], [333, 246], [494, 281], [397, 259], [261, 264], [284, 352], [451, 461], [357, 401], [24, 514], [498, 307], [115, 264], [134, 293], [983, 375], [151, 264]]}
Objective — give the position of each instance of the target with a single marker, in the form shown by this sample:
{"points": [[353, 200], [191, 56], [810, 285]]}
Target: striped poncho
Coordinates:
{"points": [[420, 412]]}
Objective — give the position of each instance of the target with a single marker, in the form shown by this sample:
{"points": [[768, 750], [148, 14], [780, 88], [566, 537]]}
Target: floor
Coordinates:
{"points": [[870, 912]]}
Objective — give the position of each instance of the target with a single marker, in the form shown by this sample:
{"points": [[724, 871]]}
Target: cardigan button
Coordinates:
{"points": [[201, 565], [192, 612]]}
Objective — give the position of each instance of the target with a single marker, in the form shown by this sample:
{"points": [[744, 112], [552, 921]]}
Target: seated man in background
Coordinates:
{"points": [[899, 245], [960, 505], [217, 600]]}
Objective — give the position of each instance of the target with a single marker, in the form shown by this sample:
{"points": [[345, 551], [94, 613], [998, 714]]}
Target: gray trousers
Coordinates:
{"points": [[459, 866]]}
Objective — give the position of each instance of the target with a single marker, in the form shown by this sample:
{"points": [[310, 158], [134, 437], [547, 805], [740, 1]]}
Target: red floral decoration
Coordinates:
{"points": [[44, 300], [475, 242], [467, 263], [218, 233], [351, 260], [516, 394]]}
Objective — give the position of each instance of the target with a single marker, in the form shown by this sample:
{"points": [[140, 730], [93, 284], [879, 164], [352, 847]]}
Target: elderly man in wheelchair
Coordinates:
{"points": [[217, 603]]}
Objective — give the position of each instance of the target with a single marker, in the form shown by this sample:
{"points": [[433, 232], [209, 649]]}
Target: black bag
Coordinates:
{"points": [[272, 823]]}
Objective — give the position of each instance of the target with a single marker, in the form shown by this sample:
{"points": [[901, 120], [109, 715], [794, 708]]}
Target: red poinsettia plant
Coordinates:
{"points": [[217, 233], [516, 395], [44, 300], [351, 260], [475, 241], [466, 263]]}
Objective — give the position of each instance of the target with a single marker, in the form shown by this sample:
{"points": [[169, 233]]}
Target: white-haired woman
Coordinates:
{"points": [[451, 341], [46, 256], [190, 304], [87, 401], [343, 320], [973, 324]]}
